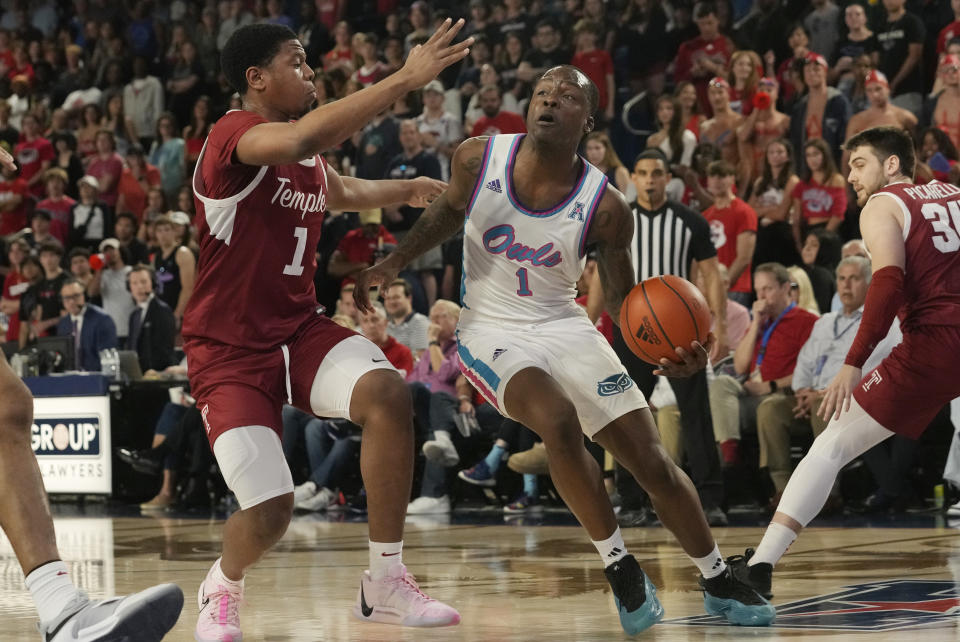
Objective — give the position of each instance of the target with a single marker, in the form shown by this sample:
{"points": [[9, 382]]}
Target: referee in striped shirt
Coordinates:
{"points": [[668, 238]]}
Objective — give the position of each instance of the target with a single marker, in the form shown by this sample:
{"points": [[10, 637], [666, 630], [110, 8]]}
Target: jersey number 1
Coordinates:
{"points": [[295, 268], [524, 289], [946, 240]]}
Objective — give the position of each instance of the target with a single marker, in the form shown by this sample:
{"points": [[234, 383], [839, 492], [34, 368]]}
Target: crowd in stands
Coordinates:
{"points": [[106, 107]]}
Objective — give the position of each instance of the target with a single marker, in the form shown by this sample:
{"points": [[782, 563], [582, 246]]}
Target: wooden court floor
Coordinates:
{"points": [[516, 582]]}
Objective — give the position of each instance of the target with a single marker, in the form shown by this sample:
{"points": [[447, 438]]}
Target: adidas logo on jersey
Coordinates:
{"points": [[494, 185], [498, 352], [647, 333]]}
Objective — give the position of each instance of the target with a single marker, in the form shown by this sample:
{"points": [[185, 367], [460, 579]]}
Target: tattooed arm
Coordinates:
{"points": [[442, 218], [611, 230]]}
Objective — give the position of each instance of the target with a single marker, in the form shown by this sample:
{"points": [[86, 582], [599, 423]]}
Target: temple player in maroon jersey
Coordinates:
{"points": [[254, 335], [913, 235]]}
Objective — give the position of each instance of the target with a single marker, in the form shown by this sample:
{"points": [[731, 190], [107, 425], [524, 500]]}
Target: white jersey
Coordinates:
{"points": [[522, 265]]}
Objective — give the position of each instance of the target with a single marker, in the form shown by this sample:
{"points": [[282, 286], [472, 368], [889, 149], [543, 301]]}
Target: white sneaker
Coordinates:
{"points": [[954, 511], [304, 491], [146, 615], [219, 619], [429, 505], [441, 450], [396, 599], [319, 501]]}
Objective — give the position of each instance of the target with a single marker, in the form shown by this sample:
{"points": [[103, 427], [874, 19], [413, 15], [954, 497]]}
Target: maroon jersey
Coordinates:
{"points": [[258, 232], [931, 220]]}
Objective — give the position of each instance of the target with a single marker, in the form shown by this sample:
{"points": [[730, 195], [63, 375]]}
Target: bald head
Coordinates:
{"points": [[570, 74]]}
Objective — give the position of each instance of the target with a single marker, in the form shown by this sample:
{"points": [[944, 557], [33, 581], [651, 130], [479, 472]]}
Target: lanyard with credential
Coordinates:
{"points": [[766, 335]]}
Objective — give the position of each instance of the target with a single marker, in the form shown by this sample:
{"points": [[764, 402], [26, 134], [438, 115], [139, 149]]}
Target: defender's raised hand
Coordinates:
{"points": [[425, 61]]}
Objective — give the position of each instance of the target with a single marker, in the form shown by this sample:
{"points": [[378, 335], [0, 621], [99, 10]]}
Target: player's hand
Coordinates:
{"points": [[692, 360], [6, 160], [425, 61], [836, 398], [424, 190], [372, 277]]}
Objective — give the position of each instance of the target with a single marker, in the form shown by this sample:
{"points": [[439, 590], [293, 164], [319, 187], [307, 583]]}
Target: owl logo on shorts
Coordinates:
{"points": [[614, 385]]}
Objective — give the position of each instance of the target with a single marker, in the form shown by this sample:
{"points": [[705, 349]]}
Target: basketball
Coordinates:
{"points": [[662, 313]]}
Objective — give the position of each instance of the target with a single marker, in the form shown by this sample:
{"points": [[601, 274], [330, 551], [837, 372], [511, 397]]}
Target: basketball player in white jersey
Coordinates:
{"points": [[532, 206], [66, 613]]}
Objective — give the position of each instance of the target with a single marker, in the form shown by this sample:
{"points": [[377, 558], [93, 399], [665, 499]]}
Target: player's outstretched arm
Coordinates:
{"points": [[350, 194], [442, 218], [881, 225], [331, 124]]}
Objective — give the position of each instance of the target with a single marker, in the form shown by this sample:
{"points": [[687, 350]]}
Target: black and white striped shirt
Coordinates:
{"points": [[667, 240]]}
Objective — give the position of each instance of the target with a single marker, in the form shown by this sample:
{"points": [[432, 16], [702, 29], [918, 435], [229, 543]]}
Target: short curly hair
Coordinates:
{"points": [[251, 46]]}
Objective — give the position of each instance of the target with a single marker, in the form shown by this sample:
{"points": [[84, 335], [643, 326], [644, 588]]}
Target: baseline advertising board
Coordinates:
{"points": [[71, 439]]}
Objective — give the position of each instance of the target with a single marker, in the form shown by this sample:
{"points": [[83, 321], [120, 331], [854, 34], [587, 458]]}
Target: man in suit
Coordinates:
{"points": [[152, 326], [92, 329]]}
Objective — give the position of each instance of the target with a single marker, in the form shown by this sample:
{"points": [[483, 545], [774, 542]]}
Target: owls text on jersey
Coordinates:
{"points": [[522, 264]]}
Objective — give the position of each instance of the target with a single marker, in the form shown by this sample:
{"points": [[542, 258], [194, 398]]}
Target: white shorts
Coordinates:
{"points": [[570, 350]]}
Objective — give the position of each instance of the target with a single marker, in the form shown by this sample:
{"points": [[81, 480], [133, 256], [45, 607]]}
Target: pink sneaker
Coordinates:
{"points": [[219, 619], [396, 599]]}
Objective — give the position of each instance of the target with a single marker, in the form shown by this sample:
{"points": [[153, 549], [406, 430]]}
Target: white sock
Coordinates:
{"points": [[51, 588], [774, 544], [216, 574], [611, 549], [383, 555], [710, 565]]}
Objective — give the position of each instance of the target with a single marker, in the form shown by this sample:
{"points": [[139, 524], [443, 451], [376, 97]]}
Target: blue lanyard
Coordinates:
{"points": [[766, 334]]}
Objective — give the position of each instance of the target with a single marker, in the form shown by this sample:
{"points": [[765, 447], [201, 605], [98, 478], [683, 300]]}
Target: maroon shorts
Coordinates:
{"points": [[909, 387], [240, 387]]}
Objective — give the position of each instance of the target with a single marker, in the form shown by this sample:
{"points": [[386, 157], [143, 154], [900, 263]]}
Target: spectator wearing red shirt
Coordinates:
{"points": [[57, 204], [342, 53], [596, 63], [14, 197], [821, 194], [733, 229], [767, 354], [373, 325], [359, 248], [34, 154], [137, 178], [494, 121], [21, 64], [706, 56], [951, 31], [106, 166], [14, 285]]}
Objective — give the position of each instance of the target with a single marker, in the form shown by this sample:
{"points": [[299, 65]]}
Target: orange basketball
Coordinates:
{"points": [[661, 313]]}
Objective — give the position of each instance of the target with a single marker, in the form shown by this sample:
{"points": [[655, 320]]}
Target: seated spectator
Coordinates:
{"points": [[772, 198], [676, 143], [78, 260], [817, 249], [733, 229], [330, 446], [764, 125], [346, 308], [745, 69], [32, 271], [109, 283], [440, 131], [374, 327], [34, 155], [881, 111], [801, 290], [405, 325], [440, 394], [134, 250], [90, 218], [593, 59], [67, 159], [92, 329], [548, 51], [489, 77], [57, 203], [360, 248], [495, 120], [151, 325], [14, 201], [823, 112], [136, 180], [516, 438], [690, 114], [766, 357], [820, 197], [859, 40], [792, 412], [372, 70]]}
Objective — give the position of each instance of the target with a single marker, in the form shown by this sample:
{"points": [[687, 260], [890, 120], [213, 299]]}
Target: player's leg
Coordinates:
{"points": [[633, 440], [65, 613], [354, 380]]}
